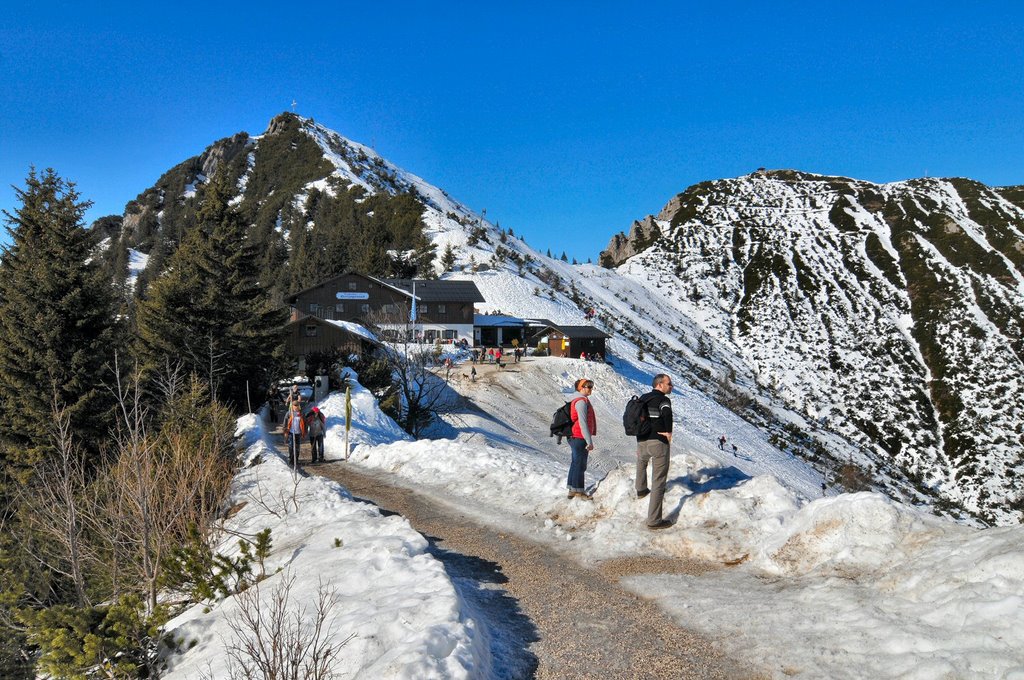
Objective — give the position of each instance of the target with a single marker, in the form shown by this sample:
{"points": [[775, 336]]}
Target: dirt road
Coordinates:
{"points": [[549, 617]]}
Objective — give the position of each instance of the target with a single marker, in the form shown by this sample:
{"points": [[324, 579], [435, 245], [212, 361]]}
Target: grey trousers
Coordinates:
{"points": [[656, 453]]}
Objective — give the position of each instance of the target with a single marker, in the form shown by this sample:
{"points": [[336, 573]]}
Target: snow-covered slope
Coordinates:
{"points": [[872, 330], [888, 314]]}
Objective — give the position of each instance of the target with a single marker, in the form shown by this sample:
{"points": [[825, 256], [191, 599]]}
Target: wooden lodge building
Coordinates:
{"points": [[444, 311], [334, 315]]}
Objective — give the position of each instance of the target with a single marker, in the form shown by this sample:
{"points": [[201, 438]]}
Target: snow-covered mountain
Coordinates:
{"points": [[872, 330], [890, 314]]}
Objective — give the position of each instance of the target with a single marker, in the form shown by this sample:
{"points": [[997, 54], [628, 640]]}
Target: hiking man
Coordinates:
{"points": [[315, 423], [721, 442], [581, 442], [653, 448]]}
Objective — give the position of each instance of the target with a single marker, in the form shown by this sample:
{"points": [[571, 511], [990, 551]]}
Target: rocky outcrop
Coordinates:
{"points": [[622, 247]]}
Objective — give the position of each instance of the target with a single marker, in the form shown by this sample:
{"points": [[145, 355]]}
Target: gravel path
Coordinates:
{"points": [[550, 616]]}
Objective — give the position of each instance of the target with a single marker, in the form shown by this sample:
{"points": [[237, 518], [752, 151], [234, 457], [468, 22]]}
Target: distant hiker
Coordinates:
{"points": [[273, 399], [823, 488], [294, 432], [653, 448], [294, 396], [472, 374], [583, 355], [315, 426], [735, 451], [721, 442], [581, 441]]}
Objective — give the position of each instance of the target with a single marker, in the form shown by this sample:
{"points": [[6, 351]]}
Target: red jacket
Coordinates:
{"points": [[591, 419]]}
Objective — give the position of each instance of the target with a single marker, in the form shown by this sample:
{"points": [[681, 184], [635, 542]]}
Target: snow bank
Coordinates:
{"points": [[392, 602]]}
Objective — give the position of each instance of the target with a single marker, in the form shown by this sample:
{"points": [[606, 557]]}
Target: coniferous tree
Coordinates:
{"points": [[210, 312], [448, 258], [56, 322]]}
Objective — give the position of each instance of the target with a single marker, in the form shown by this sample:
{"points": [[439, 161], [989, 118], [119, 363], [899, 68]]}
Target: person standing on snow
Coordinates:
{"points": [[654, 449], [315, 422], [294, 432], [581, 441]]}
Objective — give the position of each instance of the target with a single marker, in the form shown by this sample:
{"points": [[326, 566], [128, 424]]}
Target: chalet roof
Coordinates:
{"points": [[498, 320], [427, 290], [581, 332], [434, 290], [291, 299], [537, 326]]}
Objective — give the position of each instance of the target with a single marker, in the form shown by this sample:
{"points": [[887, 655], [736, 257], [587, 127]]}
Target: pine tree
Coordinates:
{"points": [[210, 312], [448, 258], [564, 258], [56, 323]]}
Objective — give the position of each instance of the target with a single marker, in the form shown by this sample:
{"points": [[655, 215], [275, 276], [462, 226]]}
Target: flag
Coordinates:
{"points": [[412, 310]]}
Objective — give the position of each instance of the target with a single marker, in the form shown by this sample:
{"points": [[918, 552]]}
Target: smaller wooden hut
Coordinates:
{"points": [[313, 335]]}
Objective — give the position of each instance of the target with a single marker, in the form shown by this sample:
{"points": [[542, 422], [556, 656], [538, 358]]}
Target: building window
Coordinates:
{"points": [[340, 308], [351, 285], [364, 308], [449, 334], [441, 309], [423, 309], [390, 309], [313, 308], [311, 330]]}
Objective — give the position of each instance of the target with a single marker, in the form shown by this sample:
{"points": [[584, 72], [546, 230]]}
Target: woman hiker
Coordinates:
{"points": [[294, 432], [581, 441]]}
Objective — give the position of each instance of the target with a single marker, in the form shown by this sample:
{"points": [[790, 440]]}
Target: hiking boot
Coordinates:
{"points": [[582, 495], [662, 524], [643, 494], [572, 494]]}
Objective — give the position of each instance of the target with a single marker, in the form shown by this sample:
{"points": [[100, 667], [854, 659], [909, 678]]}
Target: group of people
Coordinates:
{"points": [[652, 449], [593, 356], [298, 427]]}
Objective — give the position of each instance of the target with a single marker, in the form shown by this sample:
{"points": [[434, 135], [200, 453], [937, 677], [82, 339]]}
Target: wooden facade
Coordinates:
{"points": [[444, 309], [569, 341], [313, 335]]}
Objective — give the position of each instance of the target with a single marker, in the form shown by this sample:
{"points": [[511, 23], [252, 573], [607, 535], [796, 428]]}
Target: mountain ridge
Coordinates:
{"points": [[721, 261], [903, 299]]}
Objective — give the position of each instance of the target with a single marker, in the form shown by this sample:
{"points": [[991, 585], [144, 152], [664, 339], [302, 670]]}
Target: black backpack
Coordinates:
{"points": [[635, 419], [561, 422]]}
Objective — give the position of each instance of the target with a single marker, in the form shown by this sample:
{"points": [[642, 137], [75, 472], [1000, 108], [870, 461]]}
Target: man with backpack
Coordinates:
{"points": [[652, 446], [315, 423]]}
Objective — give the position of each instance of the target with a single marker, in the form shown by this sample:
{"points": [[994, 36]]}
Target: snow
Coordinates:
{"points": [[354, 328], [843, 586], [393, 609], [798, 584], [137, 262]]}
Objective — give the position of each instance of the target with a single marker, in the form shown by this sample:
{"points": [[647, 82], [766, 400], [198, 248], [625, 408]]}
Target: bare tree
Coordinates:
{"points": [[423, 388], [163, 482], [56, 507], [274, 641]]}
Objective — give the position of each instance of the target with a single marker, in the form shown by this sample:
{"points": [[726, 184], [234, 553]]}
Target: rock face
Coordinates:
{"points": [[890, 314], [622, 247]]}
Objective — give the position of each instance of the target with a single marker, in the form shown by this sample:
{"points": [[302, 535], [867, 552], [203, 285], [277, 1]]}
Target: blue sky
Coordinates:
{"points": [[565, 121]]}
